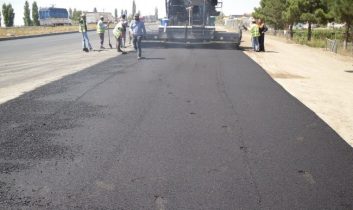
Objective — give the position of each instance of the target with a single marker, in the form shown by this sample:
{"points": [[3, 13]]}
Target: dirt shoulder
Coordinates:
{"points": [[321, 80], [20, 32]]}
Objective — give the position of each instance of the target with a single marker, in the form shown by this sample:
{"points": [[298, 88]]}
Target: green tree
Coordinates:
{"points": [[35, 14], [0, 19], [133, 7], [343, 11], [76, 15], [156, 13], [125, 12], [27, 15], [116, 14], [313, 11], [9, 15], [70, 13], [292, 14], [121, 12], [95, 9], [271, 12]]}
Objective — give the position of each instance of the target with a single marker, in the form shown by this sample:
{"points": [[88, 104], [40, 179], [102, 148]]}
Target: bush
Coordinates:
{"points": [[319, 36]]}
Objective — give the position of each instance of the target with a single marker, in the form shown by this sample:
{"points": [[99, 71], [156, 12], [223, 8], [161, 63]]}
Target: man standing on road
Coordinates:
{"points": [[138, 32], [262, 30], [125, 25], [255, 34], [101, 30], [83, 29]]}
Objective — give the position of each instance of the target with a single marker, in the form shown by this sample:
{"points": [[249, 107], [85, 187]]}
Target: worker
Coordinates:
{"points": [[83, 29], [101, 30], [125, 25], [118, 32], [262, 30], [138, 32], [255, 34]]}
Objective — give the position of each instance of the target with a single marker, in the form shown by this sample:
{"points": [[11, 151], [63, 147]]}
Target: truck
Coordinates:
{"points": [[51, 16], [193, 21]]}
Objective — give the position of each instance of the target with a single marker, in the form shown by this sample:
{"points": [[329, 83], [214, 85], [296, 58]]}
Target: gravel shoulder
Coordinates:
{"points": [[320, 80]]}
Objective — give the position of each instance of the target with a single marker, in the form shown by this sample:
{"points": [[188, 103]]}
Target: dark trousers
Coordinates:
{"points": [[101, 37], [262, 42], [118, 44], [137, 44]]}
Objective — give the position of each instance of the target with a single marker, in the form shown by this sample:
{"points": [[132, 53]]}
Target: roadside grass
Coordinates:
{"points": [[318, 39], [38, 30]]}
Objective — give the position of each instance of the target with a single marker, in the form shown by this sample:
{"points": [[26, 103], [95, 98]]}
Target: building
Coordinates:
{"points": [[93, 17]]}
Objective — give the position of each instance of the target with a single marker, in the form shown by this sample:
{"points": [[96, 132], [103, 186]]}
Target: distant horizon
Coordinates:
{"points": [[230, 7]]}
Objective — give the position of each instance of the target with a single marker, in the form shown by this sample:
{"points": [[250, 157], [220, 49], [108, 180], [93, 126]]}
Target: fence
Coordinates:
{"points": [[279, 33], [330, 44], [337, 46], [234, 24]]}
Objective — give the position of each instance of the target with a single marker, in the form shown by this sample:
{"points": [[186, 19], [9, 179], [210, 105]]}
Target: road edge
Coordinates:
{"points": [[38, 35]]}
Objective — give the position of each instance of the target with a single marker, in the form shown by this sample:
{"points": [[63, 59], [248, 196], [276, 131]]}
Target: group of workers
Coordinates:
{"points": [[136, 32], [258, 30]]}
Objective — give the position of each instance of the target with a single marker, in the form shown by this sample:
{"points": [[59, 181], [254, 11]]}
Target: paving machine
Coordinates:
{"points": [[193, 21]]}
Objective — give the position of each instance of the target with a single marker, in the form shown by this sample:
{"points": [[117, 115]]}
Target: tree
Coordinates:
{"points": [[76, 15], [9, 15], [70, 13], [95, 9], [271, 12], [343, 11], [4, 11], [133, 7], [291, 15], [121, 12], [0, 19], [313, 11], [116, 14], [125, 12], [156, 13], [35, 14], [26, 15]]}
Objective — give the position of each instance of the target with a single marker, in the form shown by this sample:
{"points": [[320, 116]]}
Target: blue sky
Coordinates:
{"points": [[145, 6]]}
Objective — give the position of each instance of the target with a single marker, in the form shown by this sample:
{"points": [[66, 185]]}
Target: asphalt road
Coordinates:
{"points": [[182, 129]]}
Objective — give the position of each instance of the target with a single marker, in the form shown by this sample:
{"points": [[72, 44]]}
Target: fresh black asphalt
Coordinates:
{"points": [[184, 128]]}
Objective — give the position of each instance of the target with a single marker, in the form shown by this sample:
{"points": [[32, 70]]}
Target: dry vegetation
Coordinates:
{"points": [[38, 30]]}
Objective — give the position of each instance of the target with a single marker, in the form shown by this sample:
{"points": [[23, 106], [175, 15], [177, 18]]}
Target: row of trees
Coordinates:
{"points": [[8, 14], [75, 14], [286, 13], [27, 15]]}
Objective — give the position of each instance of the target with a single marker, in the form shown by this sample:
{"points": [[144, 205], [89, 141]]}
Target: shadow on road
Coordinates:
{"points": [[183, 45], [153, 58], [251, 49]]}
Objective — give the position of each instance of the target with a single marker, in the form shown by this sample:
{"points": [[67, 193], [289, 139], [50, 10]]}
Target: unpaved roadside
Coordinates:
{"points": [[321, 80]]}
